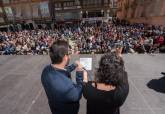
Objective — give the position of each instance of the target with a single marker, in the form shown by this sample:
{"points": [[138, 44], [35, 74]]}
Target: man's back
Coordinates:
{"points": [[63, 95]]}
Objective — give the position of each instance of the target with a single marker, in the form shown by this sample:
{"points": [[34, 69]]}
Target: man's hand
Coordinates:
{"points": [[79, 66], [119, 51]]}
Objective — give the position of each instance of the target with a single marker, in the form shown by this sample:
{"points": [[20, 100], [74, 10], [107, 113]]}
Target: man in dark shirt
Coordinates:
{"points": [[63, 94]]}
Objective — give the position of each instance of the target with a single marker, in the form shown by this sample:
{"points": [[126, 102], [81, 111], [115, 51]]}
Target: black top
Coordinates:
{"points": [[104, 102]]}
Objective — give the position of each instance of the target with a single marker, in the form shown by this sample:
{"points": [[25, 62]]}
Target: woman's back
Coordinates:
{"points": [[102, 101], [110, 89]]}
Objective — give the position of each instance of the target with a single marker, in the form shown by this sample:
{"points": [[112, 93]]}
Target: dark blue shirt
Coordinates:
{"points": [[63, 94]]}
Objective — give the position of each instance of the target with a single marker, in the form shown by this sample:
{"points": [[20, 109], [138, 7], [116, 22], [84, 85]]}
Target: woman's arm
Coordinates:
{"points": [[121, 92]]}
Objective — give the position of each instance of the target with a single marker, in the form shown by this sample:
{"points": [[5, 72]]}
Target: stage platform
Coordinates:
{"points": [[21, 91]]}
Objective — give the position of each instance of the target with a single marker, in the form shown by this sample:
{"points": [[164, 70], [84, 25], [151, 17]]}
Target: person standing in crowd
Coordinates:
{"points": [[110, 89], [63, 94]]}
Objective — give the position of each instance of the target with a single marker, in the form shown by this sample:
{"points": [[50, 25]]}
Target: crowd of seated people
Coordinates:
{"points": [[136, 38], [35, 42], [98, 37]]}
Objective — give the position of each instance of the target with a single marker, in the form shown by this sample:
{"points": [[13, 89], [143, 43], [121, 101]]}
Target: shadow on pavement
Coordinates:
{"points": [[157, 84]]}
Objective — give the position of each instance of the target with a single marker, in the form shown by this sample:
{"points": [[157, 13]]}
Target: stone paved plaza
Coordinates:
{"points": [[21, 91]]}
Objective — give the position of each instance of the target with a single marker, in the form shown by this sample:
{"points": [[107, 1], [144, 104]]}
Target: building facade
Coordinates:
{"points": [[79, 9], [142, 11], [13, 12]]}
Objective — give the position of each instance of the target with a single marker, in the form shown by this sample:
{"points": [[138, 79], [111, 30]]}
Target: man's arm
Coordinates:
{"points": [[71, 67], [75, 65], [75, 92]]}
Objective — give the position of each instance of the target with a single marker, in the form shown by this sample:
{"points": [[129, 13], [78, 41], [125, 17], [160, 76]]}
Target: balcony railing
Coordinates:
{"points": [[85, 6], [13, 2]]}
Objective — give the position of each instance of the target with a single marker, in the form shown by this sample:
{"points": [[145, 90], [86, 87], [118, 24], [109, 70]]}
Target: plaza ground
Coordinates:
{"points": [[21, 91]]}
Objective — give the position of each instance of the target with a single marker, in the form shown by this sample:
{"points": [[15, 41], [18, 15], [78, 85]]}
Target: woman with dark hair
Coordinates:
{"points": [[109, 90]]}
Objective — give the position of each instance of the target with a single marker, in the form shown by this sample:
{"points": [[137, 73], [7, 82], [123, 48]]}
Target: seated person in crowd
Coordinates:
{"points": [[110, 89]]}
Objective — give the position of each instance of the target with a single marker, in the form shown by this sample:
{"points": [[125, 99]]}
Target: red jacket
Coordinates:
{"points": [[160, 40]]}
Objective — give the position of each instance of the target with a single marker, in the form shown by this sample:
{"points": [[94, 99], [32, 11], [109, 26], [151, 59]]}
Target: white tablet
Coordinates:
{"points": [[87, 63]]}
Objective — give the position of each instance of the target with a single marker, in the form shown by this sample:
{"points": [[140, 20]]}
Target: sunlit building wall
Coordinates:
{"points": [[142, 11]]}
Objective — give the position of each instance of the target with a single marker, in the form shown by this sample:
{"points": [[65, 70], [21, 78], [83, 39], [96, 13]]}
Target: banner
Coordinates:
{"points": [[17, 11], [9, 13], [1, 11], [35, 10], [44, 8]]}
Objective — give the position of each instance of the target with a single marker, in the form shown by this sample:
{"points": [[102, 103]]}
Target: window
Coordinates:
{"points": [[72, 4], [98, 2], [77, 2], [1, 20], [5, 1], [92, 2], [84, 2], [65, 4], [68, 4], [58, 5], [105, 1], [1, 11]]}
